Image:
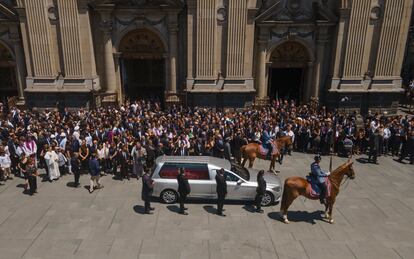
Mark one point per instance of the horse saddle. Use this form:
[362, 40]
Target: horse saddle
[264, 150]
[313, 188]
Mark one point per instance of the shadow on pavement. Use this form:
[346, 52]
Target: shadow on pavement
[299, 216]
[139, 209]
[173, 208]
[249, 208]
[362, 160]
[20, 185]
[72, 184]
[210, 209]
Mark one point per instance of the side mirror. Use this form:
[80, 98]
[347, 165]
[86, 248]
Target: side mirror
[239, 182]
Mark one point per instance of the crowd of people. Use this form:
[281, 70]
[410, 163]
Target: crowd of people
[125, 140]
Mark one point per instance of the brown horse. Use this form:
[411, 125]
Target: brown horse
[296, 186]
[251, 152]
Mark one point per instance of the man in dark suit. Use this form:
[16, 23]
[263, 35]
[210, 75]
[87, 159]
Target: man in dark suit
[182, 151]
[373, 146]
[221, 191]
[75, 164]
[260, 191]
[124, 161]
[183, 189]
[147, 189]
[199, 147]
[237, 144]
[94, 171]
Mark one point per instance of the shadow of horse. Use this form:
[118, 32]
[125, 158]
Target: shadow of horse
[299, 216]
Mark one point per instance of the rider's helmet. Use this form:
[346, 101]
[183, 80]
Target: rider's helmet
[318, 158]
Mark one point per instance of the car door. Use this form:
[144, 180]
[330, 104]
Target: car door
[199, 179]
[234, 186]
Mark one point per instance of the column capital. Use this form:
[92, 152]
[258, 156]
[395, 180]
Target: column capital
[21, 11]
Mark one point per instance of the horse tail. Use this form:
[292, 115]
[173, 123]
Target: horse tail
[284, 198]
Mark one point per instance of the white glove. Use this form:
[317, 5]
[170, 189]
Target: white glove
[329, 173]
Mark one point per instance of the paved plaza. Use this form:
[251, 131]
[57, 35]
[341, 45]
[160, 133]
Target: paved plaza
[374, 218]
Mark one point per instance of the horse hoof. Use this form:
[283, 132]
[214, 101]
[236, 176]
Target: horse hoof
[331, 221]
[286, 221]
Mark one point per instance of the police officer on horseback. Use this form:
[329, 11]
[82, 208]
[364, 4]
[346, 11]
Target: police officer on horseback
[319, 177]
[267, 141]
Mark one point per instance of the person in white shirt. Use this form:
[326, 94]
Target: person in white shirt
[387, 136]
[290, 133]
[63, 140]
[5, 164]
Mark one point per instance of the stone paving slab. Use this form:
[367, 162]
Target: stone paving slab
[374, 218]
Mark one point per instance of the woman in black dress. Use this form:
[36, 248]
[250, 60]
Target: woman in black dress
[31, 173]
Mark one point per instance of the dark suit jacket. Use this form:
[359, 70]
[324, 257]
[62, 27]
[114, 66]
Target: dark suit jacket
[199, 149]
[183, 185]
[179, 153]
[261, 188]
[221, 185]
[147, 187]
[94, 167]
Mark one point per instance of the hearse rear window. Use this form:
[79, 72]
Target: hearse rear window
[193, 171]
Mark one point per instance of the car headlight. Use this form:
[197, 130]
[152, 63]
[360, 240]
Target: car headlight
[277, 188]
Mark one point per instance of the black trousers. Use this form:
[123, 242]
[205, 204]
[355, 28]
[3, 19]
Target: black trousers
[373, 155]
[183, 198]
[258, 201]
[147, 205]
[124, 171]
[32, 183]
[220, 203]
[76, 174]
[322, 186]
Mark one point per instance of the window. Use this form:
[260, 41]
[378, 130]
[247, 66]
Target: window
[240, 171]
[230, 177]
[193, 171]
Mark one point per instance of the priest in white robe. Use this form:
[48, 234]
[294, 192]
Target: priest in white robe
[52, 158]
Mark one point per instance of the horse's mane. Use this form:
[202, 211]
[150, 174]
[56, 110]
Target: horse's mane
[342, 167]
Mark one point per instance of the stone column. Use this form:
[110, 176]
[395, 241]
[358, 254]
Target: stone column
[261, 75]
[309, 79]
[340, 44]
[172, 89]
[320, 54]
[106, 27]
[20, 66]
[117, 59]
[109, 63]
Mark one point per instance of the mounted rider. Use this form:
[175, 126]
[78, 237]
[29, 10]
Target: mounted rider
[267, 141]
[319, 177]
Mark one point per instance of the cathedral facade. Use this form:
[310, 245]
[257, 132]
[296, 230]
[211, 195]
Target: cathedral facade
[223, 53]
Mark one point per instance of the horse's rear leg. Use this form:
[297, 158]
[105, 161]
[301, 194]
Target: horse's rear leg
[251, 160]
[287, 200]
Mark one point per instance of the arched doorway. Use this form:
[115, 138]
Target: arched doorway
[142, 65]
[8, 84]
[287, 71]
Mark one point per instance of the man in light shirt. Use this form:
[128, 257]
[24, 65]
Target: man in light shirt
[387, 136]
